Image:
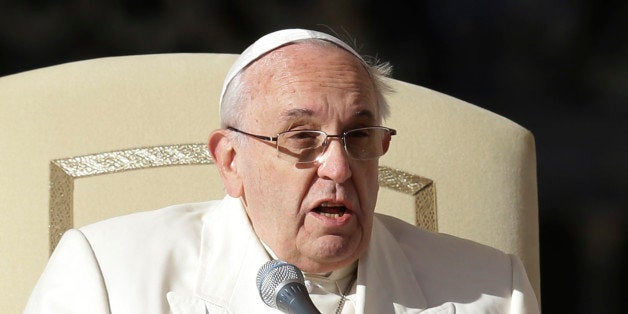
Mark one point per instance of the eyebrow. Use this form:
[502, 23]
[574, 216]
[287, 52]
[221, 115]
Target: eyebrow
[368, 114]
[298, 113]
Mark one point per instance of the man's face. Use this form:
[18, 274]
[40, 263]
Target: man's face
[317, 216]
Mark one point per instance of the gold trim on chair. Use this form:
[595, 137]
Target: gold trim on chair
[421, 188]
[63, 172]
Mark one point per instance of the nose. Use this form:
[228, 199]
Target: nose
[334, 162]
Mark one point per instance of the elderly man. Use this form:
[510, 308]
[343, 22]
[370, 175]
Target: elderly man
[298, 154]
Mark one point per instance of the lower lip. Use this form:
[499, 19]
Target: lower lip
[340, 221]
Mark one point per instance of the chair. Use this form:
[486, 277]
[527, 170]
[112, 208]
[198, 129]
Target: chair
[70, 134]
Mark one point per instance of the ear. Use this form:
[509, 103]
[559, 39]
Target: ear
[223, 152]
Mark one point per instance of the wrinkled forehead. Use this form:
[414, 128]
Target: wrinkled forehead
[276, 40]
[309, 82]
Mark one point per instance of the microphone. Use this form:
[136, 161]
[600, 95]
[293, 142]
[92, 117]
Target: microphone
[281, 286]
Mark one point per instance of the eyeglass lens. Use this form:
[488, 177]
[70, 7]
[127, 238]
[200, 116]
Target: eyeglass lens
[306, 146]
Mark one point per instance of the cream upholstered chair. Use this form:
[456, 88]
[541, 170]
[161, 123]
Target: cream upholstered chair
[69, 133]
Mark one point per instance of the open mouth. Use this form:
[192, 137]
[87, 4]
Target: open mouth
[331, 210]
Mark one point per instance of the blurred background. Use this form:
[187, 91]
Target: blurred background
[558, 68]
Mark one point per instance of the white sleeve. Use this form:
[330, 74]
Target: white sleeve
[523, 300]
[72, 281]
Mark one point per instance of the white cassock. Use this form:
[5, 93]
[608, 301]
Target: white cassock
[204, 257]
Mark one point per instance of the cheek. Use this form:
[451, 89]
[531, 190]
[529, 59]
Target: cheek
[367, 184]
[261, 184]
[274, 187]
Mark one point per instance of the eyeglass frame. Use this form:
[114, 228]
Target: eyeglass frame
[341, 137]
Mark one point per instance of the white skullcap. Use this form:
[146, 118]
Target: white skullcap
[273, 41]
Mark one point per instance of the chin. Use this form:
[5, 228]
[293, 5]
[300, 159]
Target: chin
[331, 256]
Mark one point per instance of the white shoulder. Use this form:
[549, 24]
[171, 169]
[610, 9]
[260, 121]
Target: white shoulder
[72, 281]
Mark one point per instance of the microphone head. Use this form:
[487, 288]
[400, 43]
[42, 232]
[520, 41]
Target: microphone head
[273, 275]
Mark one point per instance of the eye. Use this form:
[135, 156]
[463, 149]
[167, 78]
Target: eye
[303, 135]
[300, 139]
[359, 133]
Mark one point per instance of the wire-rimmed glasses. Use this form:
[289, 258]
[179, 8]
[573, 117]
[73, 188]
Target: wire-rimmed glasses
[305, 146]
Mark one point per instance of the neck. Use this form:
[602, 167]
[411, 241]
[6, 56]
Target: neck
[336, 274]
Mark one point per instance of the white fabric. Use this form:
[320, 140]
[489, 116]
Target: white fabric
[326, 290]
[205, 257]
[273, 41]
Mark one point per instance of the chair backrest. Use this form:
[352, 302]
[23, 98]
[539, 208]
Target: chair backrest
[69, 134]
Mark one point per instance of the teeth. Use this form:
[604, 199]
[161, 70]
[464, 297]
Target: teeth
[331, 215]
[337, 210]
